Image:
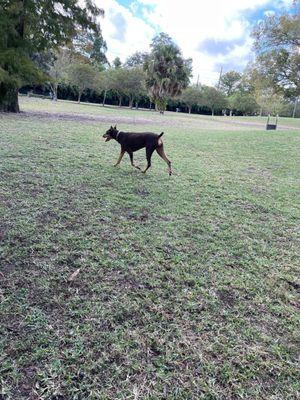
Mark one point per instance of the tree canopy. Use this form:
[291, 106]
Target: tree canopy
[136, 60]
[82, 77]
[167, 72]
[277, 42]
[213, 98]
[192, 96]
[32, 26]
[229, 82]
[92, 46]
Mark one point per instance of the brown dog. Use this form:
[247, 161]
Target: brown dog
[131, 141]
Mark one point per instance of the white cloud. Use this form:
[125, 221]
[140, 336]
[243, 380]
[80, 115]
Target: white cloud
[269, 13]
[123, 32]
[190, 24]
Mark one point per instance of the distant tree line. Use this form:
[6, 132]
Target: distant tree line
[73, 65]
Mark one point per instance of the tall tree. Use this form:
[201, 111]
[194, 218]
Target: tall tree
[277, 43]
[103, 83]
[243, 102]
[191, 96]
[136, 60]
[167, 72]
[29, 26]
[116, 78]
[229, 82]
[134, 84]
[82, 77]
[58, 70]
[213, 99]
[117, 63]
[92, 46]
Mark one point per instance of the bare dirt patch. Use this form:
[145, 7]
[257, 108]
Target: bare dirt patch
[77, 117]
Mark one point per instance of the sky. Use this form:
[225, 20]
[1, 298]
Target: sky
[214, 33]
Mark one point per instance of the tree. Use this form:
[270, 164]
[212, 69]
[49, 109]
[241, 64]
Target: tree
[136, 60]
[103, 83]
[281, 68]
[116, 78]
[58, 70]
[243, 102]
[213, 99]
[277, 31]
[191, 96]
[117, 63]
[92, 46]
[34, 26]
[133, 84]
[277, 42]
[167, 72]
[82, 77]
[229, 82]
[259, 86]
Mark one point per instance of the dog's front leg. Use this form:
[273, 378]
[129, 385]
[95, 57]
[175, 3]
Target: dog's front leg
[120, 158]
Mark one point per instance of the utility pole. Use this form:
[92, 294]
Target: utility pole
[198, 80]
[220, 78]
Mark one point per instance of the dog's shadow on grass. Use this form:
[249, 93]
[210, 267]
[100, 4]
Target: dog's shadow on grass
[145, 185]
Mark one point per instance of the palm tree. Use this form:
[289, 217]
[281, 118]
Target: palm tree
[167, 72]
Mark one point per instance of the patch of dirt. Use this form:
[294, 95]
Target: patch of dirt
[227, 297]
[2, 234]
[142, 192]
[77, 117]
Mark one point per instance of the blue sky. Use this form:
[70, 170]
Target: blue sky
[213, 34]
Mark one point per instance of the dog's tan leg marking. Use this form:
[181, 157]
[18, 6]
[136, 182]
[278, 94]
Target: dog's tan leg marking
[161, 153]
[120, 158]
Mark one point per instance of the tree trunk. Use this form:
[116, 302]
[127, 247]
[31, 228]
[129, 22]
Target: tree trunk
[230, 113]
[212, 112]
[79, 97]
[54, 90]
[136, 105]
[260, 112]
[104, 98]
[131, 103]
[190, 109]
[9, 101]
[295, 108]
[120, 101]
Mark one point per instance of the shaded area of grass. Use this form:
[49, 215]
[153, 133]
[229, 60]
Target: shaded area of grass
[187, 286]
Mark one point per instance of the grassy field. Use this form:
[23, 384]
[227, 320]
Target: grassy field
[120, 285]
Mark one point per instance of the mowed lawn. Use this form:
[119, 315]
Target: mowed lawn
[120, 285]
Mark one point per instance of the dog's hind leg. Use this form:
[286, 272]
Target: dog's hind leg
[131, 160]
[161, 153]
[120, 158]
[149, 151]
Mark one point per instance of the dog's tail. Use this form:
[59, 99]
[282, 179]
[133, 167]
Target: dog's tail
[159, 136]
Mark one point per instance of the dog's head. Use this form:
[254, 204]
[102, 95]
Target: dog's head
[111, 133]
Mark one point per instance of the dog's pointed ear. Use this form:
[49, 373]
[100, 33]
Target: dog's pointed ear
[115, 127]
[111, 127]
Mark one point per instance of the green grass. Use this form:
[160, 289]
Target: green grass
[188, 286]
